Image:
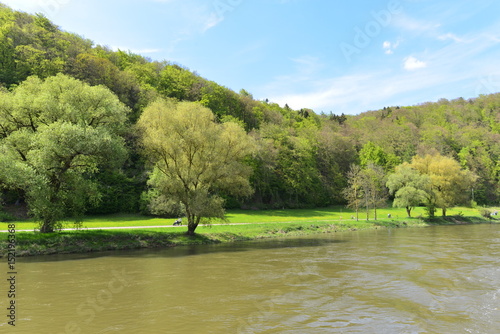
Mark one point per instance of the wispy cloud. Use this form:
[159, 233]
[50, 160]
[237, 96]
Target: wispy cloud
[198, 16]
[48, 8]
[408, 23]
[450, 36]
[190, 19]
[26, 5]
[307, 65]
[451, 70]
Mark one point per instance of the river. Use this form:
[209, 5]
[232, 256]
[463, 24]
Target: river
[443, 279]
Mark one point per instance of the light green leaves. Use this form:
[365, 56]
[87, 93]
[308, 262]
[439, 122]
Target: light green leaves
[195, 159]
[55, 134]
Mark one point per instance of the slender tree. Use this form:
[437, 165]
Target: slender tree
[354, 193]
[373, 183]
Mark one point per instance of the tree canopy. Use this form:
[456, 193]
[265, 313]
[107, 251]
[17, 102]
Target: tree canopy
[409, 187]
[55, 84]
[55, 134]
[196, 160]
[450, 185]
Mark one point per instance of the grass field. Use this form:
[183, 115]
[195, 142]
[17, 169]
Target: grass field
[240, 225]
[332, 214]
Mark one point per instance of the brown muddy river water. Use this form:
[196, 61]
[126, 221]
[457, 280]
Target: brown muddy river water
[423, 280]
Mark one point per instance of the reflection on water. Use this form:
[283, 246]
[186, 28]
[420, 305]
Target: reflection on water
[428, 280]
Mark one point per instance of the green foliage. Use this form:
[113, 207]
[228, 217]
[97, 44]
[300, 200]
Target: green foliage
[180, 83]
[335, 154]
[366, 187]
[56, 133]
[373, 183]
[118, 193]
[303, 159]
[486, 213]
[374, 154]
[355, 193]
[409, 187]
[101, 71]
[449, 184]
[195, 159]
[6, 217]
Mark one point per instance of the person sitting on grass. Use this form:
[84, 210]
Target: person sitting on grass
[178, 222]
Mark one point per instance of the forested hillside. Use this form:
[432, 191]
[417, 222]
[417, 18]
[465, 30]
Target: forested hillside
[53, 81]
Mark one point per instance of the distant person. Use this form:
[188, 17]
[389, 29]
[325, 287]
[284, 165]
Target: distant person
[178, 222]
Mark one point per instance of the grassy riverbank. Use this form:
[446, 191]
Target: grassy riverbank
[240, 226]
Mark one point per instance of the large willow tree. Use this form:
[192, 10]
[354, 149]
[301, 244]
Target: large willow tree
[450, 185]
[55, 134]
[195, 159]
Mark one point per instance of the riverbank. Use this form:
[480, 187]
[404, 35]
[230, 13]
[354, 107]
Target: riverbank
[91, 240]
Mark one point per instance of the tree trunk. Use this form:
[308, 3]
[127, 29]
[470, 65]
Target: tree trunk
[191, 228]
[193, 222]
[444, 212]
[408, 211]
[367, 209]
[47, 227]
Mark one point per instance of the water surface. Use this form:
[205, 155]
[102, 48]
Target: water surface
[421, 280]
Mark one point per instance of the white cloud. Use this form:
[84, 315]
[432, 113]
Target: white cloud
[387, 47]
[449, 36]
[390, 47]
[27, 5]
[408, 23]
[46, 7]
[369, 89]
[307, 65]
[411, 64]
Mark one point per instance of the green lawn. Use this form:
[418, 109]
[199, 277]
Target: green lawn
[327, 215]
[240, 225]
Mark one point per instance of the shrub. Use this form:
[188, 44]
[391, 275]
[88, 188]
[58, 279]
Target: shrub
[486, 213]
[6, 217]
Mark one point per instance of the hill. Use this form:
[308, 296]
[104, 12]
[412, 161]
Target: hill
[303, 158]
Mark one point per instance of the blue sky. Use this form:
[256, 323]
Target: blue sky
[328, 55]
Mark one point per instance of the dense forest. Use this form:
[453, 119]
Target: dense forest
[57, 89]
